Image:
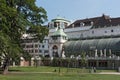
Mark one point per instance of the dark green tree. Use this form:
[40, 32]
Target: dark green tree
[83, 59]
[15, 17]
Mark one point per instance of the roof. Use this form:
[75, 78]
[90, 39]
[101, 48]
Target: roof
[59, 32]
[76, 47]
[102, 21]
[60, 19]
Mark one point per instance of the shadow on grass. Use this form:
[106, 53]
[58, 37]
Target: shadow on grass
[11, 70]
[14, 70]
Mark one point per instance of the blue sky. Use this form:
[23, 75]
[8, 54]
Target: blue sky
[80, 9]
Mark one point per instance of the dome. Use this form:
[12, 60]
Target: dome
[59, 32]
[61, 19]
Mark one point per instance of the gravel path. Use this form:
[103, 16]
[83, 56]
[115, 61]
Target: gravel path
[116, 73]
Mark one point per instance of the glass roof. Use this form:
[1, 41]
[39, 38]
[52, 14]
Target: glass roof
[76, 47]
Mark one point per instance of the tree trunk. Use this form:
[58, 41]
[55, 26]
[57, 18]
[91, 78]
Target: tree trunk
[5, 66]
[5, 71]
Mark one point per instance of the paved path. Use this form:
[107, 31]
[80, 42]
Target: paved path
[116, 73]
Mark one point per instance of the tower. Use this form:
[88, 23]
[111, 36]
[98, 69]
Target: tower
[57, 37]
[56, 41]
[58, 21]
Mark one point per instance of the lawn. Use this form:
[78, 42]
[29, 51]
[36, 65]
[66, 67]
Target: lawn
[52, 69]
[53, 76]
[41, 73]
[48, 69]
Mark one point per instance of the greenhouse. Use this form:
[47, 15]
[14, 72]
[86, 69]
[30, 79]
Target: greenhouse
[109, 45]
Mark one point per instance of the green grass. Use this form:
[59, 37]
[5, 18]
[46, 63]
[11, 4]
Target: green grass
[51, 69]
[49, 76]
[47, 69]
[33, 69]
[72, 74]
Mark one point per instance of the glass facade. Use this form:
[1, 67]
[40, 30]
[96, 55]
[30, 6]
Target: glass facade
[76, 47]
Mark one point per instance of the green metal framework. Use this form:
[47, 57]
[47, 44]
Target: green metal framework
[87, 46]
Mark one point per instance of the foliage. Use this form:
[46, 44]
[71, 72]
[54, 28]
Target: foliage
[46, 61]
[83, 60]
[15, 17]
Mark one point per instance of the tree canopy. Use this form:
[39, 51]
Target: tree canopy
[15, 17]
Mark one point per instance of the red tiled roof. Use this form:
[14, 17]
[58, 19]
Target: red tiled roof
[97, 22]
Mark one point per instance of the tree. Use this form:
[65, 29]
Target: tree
[15, 17]
[83, 59]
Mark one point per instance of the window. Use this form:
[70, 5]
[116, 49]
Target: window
[36, 45]
[82, 24]
[43, 46]
[29, 51]
[29, 46]
[92, 32]
[46, 51]
[36, 51]
[32, 51]
[40, 51]
[105, 31]
[54, 38]
[56, 24]
[112, 30]
[35, 40]
[81, 35]
[45, 41]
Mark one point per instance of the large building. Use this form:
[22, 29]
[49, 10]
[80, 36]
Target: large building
[98, 38]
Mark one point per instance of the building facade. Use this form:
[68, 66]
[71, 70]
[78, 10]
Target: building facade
[98, 38]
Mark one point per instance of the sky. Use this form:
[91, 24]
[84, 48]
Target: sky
[79, 9]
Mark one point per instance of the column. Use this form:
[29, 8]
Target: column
[104, 52]
[110, 53]
[101, 53]
[96, 55]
